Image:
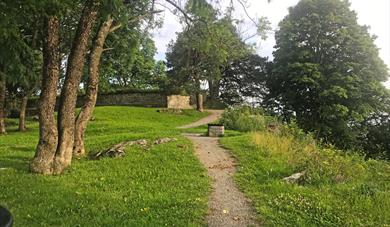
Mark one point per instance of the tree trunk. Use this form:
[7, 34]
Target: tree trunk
[66, 113]
[22, 114]
[45, 151]
[199, 102]
[213, 91]
[2, 104]
[92, 87]
[28, 89]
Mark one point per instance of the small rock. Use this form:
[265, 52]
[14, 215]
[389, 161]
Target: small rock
[164, 140]
[294, 178]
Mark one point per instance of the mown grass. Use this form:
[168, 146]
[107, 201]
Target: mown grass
[338, 189]
[162, 186]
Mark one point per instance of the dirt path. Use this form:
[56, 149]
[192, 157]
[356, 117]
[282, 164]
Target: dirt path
[227, 205]
[215, 115]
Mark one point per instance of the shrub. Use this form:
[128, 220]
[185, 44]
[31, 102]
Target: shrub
[246, 119]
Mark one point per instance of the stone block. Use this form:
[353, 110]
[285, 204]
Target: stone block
[215, 130]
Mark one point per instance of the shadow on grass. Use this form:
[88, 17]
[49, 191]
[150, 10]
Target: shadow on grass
[21, 149]
[15, 162]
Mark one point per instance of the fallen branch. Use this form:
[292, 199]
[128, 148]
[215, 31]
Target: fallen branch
[118, 150]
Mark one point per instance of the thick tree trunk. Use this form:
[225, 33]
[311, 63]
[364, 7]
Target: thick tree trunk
[45, 151]
[92, 87]
[22, 114]
[66, 113]
[199, 102]
[2, 105]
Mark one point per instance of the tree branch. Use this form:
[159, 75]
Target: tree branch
[107, 49]
[140, 17]
[181, 10]
[246, 12]
[116, 27]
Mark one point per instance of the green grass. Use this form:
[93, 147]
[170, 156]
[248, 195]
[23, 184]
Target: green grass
[163, 186]
[338, 190]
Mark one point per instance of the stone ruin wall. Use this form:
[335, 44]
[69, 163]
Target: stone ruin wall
[178, 102]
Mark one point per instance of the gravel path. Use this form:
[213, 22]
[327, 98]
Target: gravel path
[215, 115]
[227, 205]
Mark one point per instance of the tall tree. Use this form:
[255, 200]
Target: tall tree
[48, 132]
[204, 49]
[327, 72]
[67, 103]
[92, 86]
[54, 153]
[131, 16]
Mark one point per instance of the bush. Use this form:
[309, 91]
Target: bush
[246, 119]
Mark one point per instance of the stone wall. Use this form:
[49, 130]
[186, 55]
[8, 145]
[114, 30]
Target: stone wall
[178, 102]
[129, 99]
[141, 99]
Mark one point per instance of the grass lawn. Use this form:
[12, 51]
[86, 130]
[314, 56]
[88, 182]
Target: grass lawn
[338, 190]
[163, 186]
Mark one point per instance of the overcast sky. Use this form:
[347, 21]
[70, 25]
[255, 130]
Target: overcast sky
[375, 13]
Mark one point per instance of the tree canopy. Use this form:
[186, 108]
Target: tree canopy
[326, 73]
[205, 49]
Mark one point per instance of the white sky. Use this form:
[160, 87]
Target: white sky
[375, 13]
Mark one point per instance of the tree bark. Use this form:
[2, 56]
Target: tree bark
[199, 102]
[45, 151]
[66, 113]
[92, 87]
[22, 114]
[2, 105]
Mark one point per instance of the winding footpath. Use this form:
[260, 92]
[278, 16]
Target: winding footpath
[227, 205]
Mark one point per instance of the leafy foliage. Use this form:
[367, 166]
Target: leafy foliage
[327, 73]
[204, 48]
[244, 79]
[131, 63]
[245, 118]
